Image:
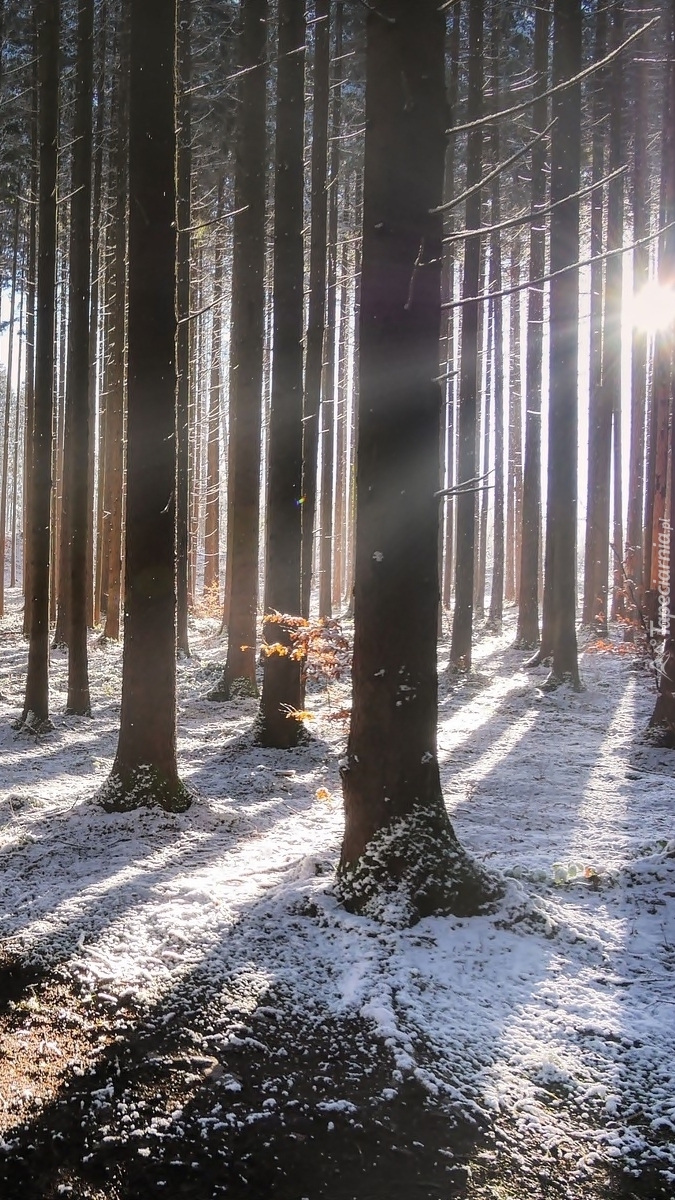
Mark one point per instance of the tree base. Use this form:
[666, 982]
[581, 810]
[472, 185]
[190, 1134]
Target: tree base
[142, 787]
[554, 680]
[239, 689]
[661, 729]
[416, 868]
[524, 643]
[30, 723]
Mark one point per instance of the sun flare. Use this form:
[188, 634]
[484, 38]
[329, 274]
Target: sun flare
[653, 308]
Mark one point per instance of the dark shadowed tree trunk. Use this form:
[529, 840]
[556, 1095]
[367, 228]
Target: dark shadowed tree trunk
[36, 703]
[77, 381]
[636, 471]
[246, 355]
[527, 634]
[144, 770]
[462, 624]
[4, 474]
[399, 846]
[184, 179]
[316, 319]
[282, 678]
[31, 312]
[564, 345]
[596, 561]
[212, 514]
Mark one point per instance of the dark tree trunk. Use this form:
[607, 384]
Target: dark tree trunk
[116, 390]
[612, 325]
[17, 436]
[246, 354]
[77, 383]
[144, 770]
[316, 320]
[183, 305]
[596, 565]
[328, 398]
[564, 344]
[31, 312]
[282, 678]
[93, 615]
[452, 316]
[4, 477]
[636, 473]
[527, 635]
[398, 838]
[36, 703]
[497, 590]
[212, 514]
[462, 624]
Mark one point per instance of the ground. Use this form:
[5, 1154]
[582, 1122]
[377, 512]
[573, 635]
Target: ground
[186, 1010]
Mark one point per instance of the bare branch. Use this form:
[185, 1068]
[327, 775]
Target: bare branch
[559, 87]
[584, 262]
[457, 200]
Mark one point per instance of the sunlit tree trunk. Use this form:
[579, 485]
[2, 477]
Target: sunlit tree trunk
[398, 838]
[184, 180]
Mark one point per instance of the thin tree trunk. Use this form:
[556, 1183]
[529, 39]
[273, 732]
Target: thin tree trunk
[527, 635]
[212, 515]
[282, 677]
[17, 439]
[564, 345]
[36, 702]
[4, 478]
[184, 170]
[116, 392]
[30, 344]
[95, 486]
[636, 474]
[79, 356]
[462, 625]
[451, 319]
[596, 564]
[246, 357]
[317, 286]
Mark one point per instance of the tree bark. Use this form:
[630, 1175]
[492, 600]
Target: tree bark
[400, 853]
[527, 635]
[564, 344]
[77, 383]
[35, 714]
[246, 357]
[212, 515]
[4, 477]
[145, 770]
[184, 176]
[282, 677]
[316, 320]
[462, 624]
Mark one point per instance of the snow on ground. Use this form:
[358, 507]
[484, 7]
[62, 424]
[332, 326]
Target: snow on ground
[553, 1016]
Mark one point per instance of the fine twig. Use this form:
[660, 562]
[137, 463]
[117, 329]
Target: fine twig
[502, 166]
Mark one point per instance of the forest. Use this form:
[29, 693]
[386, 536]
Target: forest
[337, 548]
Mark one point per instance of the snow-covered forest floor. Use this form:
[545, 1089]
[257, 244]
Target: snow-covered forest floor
[186, 1010]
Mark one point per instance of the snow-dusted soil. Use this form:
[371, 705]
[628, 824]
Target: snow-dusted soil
[504, 1055]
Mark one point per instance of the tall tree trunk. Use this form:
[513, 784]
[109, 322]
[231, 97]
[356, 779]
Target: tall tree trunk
[95, 486]
[462, 625]
[30, 342]
[282, 677]
[640, 207]
[246, 356]
[451, 320]
[212, 515]
[183, 304]
[16, 441]
[77, 383]
[316, 320]
[497, 591]
[596, 564]
[4, 478]
[116, 391]
[527, 635]
[612, 325]
[36, 702]
[145, 769]
[398, 840]
[564, 344]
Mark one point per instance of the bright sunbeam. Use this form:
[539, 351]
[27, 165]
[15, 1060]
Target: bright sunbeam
[653, 308]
